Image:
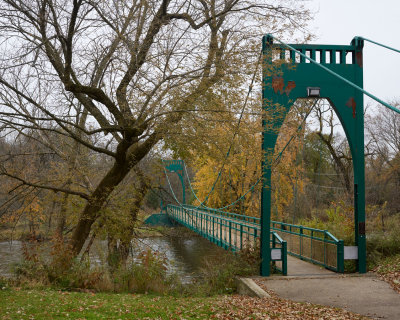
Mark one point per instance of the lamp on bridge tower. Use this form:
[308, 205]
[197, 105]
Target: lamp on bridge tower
[313, 92]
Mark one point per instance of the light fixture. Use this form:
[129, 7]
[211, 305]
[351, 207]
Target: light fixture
[313, 92]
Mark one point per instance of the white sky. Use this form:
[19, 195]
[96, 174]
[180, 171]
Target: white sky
[338, 21]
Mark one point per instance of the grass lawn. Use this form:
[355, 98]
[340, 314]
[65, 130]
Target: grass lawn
[51, 304]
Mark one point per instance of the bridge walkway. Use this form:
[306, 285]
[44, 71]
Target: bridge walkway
[235, 232]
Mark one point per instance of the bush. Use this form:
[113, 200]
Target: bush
[147, 274]
[3, 283]
[382, 244]
[61, 270]
[338, 220]
[219, 276]
[76, 276]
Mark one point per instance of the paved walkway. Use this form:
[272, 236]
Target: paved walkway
[363, 294]
[297, 267]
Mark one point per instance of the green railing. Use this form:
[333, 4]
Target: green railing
[234, 232]
[228, 230]
[254, 220]
[314, 245]
[224, 231]
[279, 253]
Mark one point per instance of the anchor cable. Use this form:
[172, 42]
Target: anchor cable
[379, 44]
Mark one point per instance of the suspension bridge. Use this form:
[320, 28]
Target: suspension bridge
[290, 72]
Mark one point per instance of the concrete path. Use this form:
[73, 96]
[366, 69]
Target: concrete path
[363, 294]
[297, 267]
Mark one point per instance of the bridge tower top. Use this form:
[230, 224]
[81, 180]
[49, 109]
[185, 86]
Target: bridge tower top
[178, 167]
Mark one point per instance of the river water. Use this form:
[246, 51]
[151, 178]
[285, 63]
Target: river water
[185, 256]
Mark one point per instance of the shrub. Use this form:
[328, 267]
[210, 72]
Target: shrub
[147, 274]
[338, 220]
[219, 275]
[381, 244]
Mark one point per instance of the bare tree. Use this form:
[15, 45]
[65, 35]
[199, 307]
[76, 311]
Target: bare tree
[117, 76]
[339, 150]
[383, 167]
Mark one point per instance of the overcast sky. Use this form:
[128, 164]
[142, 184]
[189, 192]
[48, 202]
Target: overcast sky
[338, 21]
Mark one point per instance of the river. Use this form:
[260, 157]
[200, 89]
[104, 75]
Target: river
[185, 256]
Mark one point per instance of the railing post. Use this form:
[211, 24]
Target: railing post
[230, 234]
[340, 256]
[207, 230]
[301, 242]
[273, 240]
[241, 236]
[220, 232]
[284, 258]
[325, 236]
[311, 244]
[201, 223]
[212, 228]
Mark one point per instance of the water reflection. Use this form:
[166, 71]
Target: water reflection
[10, 253]
[186, 256]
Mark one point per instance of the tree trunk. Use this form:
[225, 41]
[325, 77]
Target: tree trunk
[118, 251]
[342, 168]
[91, 211]
[62, 217]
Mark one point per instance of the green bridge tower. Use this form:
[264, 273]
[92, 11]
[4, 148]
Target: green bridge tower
[288, 76]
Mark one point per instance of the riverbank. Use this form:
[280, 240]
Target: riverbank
[20, 303]
[22, 233]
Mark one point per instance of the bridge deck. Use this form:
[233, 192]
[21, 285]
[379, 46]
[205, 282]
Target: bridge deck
[235, 232]
[297, 267]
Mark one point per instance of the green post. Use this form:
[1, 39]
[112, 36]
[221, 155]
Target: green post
[340, 256]
[230, 234]
[220, 232]
[284, 258]
[267, 149]
[301, 242]
[201, 223]
[241, 236]
[213, 228]
[325, 237]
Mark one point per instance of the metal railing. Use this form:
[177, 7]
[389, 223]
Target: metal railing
[279, 253]
[234, 232]
[225, 231]
[249, 219]
[229, 230]
[314, 245]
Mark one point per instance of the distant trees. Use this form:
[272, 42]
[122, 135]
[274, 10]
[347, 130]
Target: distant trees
[383, 165]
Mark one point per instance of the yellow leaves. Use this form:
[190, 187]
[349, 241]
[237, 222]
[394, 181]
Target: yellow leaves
[288, 176]
[240, 170]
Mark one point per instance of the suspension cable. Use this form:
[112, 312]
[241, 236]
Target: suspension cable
[379, 44]
[258, 181]
[291, 138]
[235, 132]
[298, 129]
[169, 184]
[339, 76]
